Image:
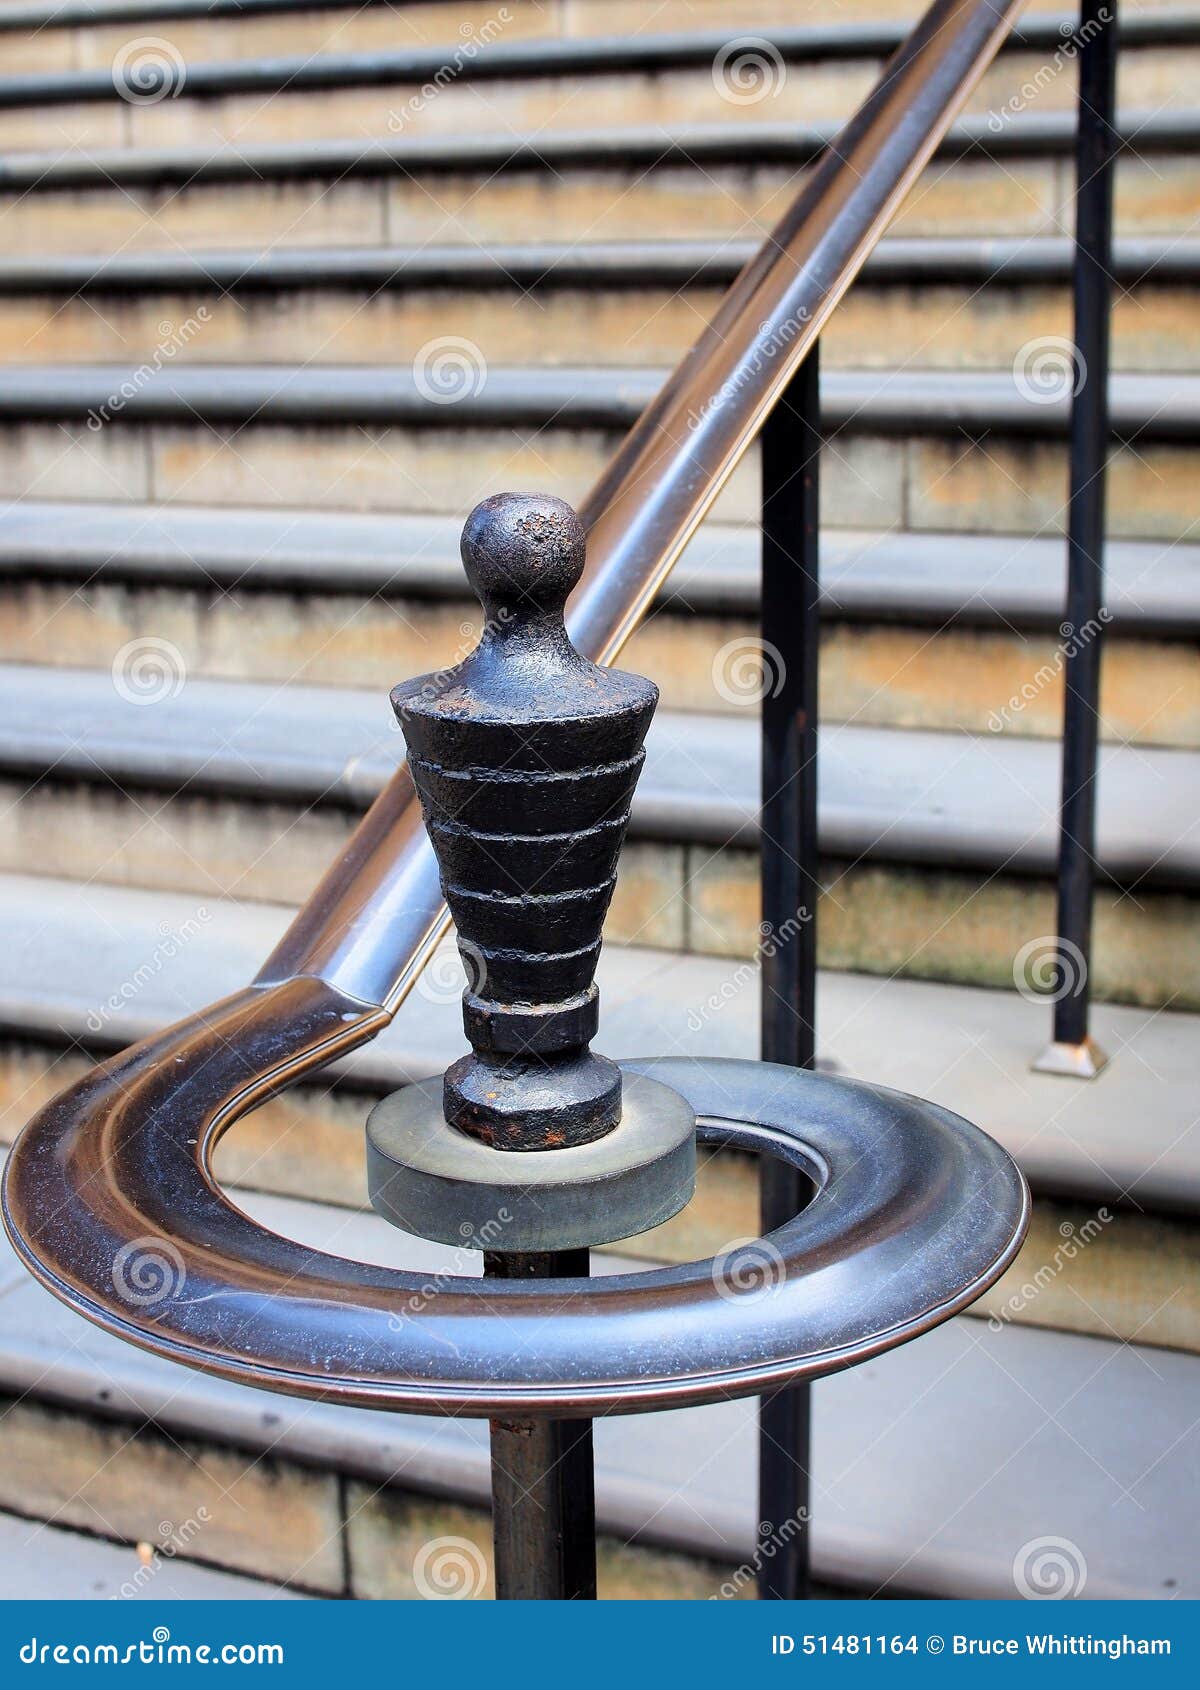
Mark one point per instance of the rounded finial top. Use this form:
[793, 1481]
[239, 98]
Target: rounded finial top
[523, 551]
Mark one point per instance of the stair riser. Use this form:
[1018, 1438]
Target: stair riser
[1005, 486]
[959, 328]
[876, 918]
[975, 681]
[278, 1520]
[1113, 1273]
[361, 29]
[1155, 195]
[1152, 79]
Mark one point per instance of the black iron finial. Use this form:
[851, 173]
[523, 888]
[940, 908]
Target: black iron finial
[525, 758]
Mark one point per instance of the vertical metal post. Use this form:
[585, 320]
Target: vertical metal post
[790, 447]
[543, 1485]
[1071, 1050]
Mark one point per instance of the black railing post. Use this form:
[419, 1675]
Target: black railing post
[1071, 1050]
[543, 1488]
[790, 445]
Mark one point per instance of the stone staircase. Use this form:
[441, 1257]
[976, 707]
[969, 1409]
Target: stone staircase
[268, 329]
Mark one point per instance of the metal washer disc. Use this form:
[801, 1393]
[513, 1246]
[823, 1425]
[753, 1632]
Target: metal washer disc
[430, 1179]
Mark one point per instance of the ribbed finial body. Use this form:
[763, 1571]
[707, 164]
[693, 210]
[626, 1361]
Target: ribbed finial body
[525, 758]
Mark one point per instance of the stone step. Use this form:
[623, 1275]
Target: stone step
[917, 449]
[97, 966]
[41, 35]
[942, 800]
[929, 580]
[150, 96]
[345, 1501]
[939, 848]
[43, 1563]
[922, 630]
[956, 304]
[733, 179]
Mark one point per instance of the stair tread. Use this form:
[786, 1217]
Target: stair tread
[106, 965]
[1150, 407]
[559, 55]
[633, 147]
[669, 262]
[980, 579]
[891, 794]
[889, 1508]
[39, 1562]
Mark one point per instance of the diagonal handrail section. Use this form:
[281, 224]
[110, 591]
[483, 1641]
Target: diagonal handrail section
[377, 915]
[89, 1169]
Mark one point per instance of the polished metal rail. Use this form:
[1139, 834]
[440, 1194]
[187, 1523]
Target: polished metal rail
[83, 1181]
[375, 918]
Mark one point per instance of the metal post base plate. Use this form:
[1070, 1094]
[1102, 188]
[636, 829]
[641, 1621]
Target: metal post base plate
[1076, 1062]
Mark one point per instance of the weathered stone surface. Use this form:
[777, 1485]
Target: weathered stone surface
[959, 926]
[403, 1547]
[253, 1514]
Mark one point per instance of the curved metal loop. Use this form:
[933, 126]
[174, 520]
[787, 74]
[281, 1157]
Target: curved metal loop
[916, 1213]
[94, 1172]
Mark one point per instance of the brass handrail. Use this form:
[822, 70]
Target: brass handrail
[373, 921]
